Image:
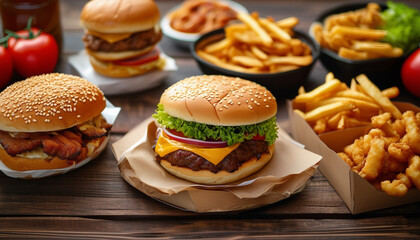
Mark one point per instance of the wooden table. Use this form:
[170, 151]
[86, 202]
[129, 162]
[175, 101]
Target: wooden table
[95, 201]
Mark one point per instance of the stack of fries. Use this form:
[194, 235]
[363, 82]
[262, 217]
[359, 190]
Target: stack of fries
[353, 35]
[335, 106]
[258, 45]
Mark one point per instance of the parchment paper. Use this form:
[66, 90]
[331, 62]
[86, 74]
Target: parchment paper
[286, 173]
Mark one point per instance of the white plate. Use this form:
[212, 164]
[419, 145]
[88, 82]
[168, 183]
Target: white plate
[114, 86]
[184, 39]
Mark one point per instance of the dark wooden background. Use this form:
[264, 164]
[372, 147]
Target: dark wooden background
[95, 201]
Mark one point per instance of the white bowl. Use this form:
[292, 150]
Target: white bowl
[184, 39]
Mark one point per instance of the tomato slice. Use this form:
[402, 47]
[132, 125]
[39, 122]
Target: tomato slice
[148, 57]
[180, 137]
[258, 137]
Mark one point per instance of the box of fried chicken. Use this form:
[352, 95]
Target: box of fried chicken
[371, 164]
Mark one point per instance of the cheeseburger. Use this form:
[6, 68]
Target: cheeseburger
[51, 121]
[215, 129]
[121, 36]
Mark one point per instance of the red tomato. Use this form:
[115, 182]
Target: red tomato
[410, 73]
[6, 66]
[33, 56]
[258, 137]
[150, 56]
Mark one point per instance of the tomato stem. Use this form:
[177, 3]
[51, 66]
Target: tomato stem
[3, 41]
[28, 28]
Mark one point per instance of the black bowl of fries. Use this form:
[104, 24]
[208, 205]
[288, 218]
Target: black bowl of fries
[280, 67]
[348, 50]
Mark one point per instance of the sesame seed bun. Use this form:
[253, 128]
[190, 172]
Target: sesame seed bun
[49, 102]
[219, 100]
[206, 177]
[119, 16]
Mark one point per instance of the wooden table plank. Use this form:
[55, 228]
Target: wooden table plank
[89, 228]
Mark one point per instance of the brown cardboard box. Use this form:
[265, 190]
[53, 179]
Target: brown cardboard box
[358, 194]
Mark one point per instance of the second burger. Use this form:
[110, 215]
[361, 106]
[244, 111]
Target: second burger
[121, 36]
[215, 129]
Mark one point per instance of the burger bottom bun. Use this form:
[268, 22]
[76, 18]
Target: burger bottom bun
[114, 56]
[27, 164]
[119, 71]
[207, 177]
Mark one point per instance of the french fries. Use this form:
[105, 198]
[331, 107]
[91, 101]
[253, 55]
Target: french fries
[334, 106]
[354, 35]
[258, 45]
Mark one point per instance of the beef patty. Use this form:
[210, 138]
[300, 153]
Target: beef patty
[136, 41]
[231, 163]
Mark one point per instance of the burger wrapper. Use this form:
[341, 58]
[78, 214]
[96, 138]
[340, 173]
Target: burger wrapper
[110, 113]
[286, 173]
[114, 86]
[358, 194]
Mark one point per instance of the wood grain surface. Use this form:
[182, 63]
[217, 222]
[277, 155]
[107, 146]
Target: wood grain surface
[95, 202]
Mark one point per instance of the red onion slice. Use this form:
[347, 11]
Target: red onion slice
[192, 141]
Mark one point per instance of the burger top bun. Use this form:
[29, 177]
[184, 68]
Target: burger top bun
[49, 102]
[119, 16]
[219, 100]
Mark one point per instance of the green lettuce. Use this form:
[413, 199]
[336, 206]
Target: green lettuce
[402, 24]
[230, 134]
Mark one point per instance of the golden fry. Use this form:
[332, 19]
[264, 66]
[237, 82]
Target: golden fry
[289, 22]
[253, 24]
[218, 46]
[259, 53]
[247, 61]
[276, 30]
[355, 95]
[324, 89]
[391, 92]
[294, 60]
[327, 110]
[359, 33]
[374, 92]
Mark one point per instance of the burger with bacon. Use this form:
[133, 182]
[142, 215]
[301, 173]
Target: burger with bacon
[121, 36]
[215, 129]
[51, 121]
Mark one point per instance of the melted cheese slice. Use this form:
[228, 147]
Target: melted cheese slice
[110, 37]
[165, 146]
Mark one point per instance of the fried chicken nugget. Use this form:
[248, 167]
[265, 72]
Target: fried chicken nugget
[395, 188]
[413, 170]
[413, 131]
[374, 159]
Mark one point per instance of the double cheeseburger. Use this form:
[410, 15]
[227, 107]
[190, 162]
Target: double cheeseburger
[51, 121]
[121, 36]
[215, 129]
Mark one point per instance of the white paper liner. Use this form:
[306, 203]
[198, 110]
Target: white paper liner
[286, 173]
[114, 86]
[110, 113]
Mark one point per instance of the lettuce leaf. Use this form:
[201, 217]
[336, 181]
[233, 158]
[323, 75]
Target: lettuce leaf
[230, 134]
[402, 24]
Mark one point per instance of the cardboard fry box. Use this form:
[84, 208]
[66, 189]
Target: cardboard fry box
[358, 194]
